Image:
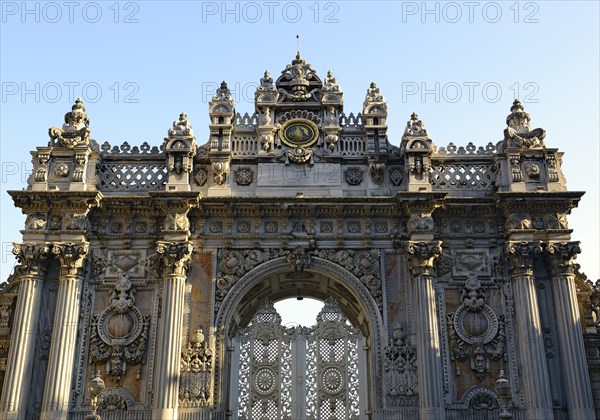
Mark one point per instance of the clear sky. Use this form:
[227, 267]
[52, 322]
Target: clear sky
[459, 65]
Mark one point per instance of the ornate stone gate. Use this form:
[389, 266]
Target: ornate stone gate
[298, 372]
[143, 266]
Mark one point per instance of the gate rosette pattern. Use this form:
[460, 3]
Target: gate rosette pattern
[265, 367]
[271, 356]
[332, 366]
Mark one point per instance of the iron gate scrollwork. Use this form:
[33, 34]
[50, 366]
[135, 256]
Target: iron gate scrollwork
[297, 372]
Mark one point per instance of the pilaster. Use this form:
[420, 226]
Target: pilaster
[33, 259]
[575, 374]
[57, 390]
[532, 355]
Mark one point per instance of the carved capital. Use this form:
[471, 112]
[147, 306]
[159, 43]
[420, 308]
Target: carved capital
[561, 256]
[32, 257]
[520, 257]
[70, 256]
[421, 256]
[173, 257]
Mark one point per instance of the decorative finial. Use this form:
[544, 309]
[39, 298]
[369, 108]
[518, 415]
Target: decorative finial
[516, 106]
[298, 45]
[75, 131]
[519, 132]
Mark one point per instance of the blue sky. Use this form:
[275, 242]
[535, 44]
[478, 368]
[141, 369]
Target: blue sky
[459, 65]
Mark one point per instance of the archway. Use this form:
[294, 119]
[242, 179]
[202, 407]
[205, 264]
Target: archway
[321, 279]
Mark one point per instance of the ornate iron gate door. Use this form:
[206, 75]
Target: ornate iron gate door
[298, 373]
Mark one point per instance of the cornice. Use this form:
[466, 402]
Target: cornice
[44, 201]
[540, 201]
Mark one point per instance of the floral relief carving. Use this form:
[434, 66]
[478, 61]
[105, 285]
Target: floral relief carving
[243, 176]
[401, 365]
[233, 264]
[196, 372]
[353, 175]
[36, 221]
[61, 170]
[75, 221]
[532, 170]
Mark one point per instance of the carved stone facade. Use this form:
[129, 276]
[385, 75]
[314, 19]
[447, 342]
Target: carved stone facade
[448, 274]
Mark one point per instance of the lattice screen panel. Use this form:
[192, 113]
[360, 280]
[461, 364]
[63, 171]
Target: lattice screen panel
[326, 356]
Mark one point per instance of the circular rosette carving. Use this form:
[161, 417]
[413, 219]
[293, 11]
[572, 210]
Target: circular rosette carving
[332, 380]
[120, 328]
[253, 259]
[478, 327]
[265, 381]
[232, 263]
[366, 263]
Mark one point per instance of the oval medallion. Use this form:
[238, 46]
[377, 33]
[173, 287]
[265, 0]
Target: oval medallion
[299, 133]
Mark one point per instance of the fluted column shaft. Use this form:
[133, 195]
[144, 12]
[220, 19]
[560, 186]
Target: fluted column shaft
[575, 372]
[61, 360]
[19, 366]
[429, 359]
[174, 260]
[536, 386]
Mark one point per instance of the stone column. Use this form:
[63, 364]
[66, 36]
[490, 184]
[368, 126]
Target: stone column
[570, 338]
[33, 259]
[536, 388]
[61, 360]
[173, 260]
[429, 358]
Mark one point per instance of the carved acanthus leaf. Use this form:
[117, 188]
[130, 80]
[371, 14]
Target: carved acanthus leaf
[32, 257]
[173, 257]
[71, 256]
[421, 256]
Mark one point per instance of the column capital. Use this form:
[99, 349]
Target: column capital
[421, 256]
[173, 257]
[32, 257]
[561, 255]
[70, 256]
[520, 256]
